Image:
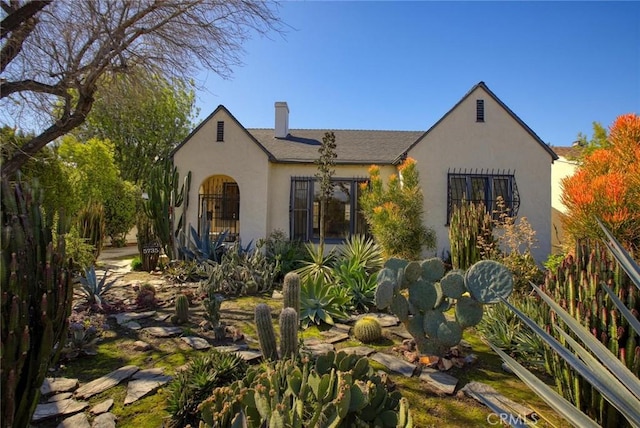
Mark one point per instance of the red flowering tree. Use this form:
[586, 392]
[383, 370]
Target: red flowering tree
[607, 186]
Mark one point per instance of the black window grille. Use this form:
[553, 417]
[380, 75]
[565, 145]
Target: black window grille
[342, 213]
[486, 186]
[479, 110]
[220, 133]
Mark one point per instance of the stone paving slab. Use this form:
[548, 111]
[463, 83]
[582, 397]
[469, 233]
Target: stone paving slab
[76, 421]
[148, 373]
[105, 420]
[340, 328]
[103, 407]
[163, 331]
[54, 385]
[105, 382]
[335, 337]
[125, 317]
[439, 380]
[361, 351]
[132, 325]
[249, 354]
[400, 331]
[58, 408]
[196, 342]
[385, 320]
[394, 363]
[317, 347]
[232, 348]
[136, 389]
[61, 396]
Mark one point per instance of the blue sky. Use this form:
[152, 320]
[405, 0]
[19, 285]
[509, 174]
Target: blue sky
[402, 65]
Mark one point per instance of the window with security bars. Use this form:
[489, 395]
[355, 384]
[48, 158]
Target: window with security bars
[485, 187]
[342, 214]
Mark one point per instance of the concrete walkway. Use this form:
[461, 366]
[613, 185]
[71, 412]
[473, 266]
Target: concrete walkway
[114, 253]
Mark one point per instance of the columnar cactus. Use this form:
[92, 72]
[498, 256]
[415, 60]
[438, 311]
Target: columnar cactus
[419, 293]
[468, 222]
[367, 329]
[182, 310]
[266, 336]
[288, 332]
[36, 289]
[291, 292]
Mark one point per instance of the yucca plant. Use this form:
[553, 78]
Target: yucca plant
[363, 251]
[592, 360]
[93, 288]
[319, 265]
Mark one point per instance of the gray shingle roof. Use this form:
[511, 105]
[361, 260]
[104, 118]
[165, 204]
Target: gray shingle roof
[353, 146]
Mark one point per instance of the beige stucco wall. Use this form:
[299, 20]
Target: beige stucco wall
[561, 168]
[500, 142]
[239, 157]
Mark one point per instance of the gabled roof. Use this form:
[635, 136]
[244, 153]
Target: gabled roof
[482, 85]
[353, 146]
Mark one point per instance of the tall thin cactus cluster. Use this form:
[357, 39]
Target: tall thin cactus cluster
[576, 286]
[166, 193]
[419, 293]
[468, 222]
[36, 301]
[289, 322]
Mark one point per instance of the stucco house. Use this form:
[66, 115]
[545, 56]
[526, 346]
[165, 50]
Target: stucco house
[565, 166]
[255, 181]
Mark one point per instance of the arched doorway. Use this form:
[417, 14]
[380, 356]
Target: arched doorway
[219, 206]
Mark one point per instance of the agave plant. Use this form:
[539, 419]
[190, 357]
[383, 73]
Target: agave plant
[93, 288]
[363, 251]
[318, 304]
[319, 267]
[358, 285]
[592, 360]
[202, 248]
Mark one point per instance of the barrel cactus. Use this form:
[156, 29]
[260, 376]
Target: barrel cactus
[367, 329]
[182, 310]
[419, 293]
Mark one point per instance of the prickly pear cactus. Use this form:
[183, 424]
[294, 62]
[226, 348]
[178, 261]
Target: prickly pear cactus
[419, 294]
[367, 330]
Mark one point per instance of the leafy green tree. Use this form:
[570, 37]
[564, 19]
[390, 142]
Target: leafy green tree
[45, 167]
[59, 52]
[394, 213]
[145, 116]
[599, 140]
[120, 211]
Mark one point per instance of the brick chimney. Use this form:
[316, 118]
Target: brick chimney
[282, 119]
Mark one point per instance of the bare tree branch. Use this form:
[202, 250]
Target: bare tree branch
[19, 16]
[73, 46]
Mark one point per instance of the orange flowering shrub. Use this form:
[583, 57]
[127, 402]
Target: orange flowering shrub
[394, 212]
[607, 186]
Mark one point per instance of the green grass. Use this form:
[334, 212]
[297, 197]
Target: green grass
[429, 408]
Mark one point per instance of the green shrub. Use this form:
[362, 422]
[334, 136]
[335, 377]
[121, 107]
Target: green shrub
[280, 250]
[136, 263]
[194, 384]
[77, 249]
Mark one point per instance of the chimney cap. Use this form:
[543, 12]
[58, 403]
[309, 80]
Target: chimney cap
[282, 104]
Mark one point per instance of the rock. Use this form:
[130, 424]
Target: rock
[163, 331]
[139, 345]
[125, 317]
[277, 295]
[340, 328]
[249, 354]
[103, 407]
[412, 357]
[205, 325]
[54, 385]
[231, 348]
[318, 346]
[445, 364]
[143, 385]
[334, 337]
[506, 368]
[148, 373]
[196, 342]
[470, 359]
[394, 364]
[385, 320]
[105, 420]
[61, 396]
[441, 381]
[58, 408]
[400, 331]
[105, 382]
[162, 317]
[361, 351]
[76, 421]
[132, 325]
